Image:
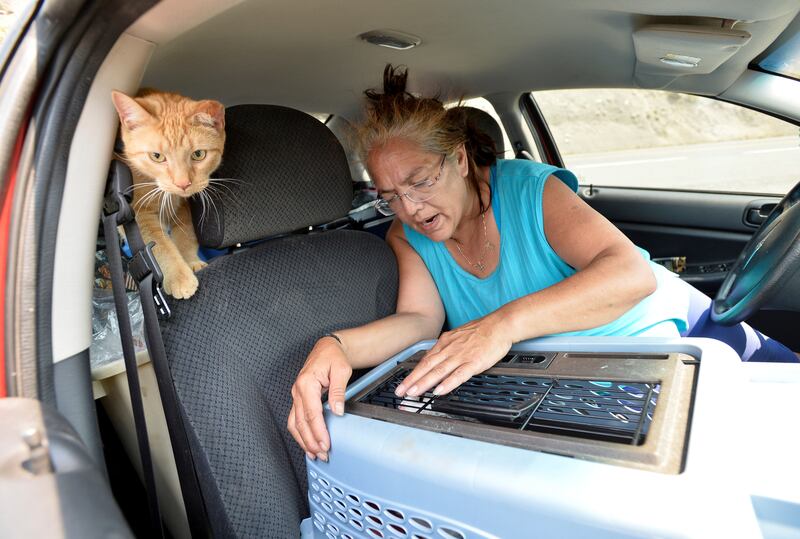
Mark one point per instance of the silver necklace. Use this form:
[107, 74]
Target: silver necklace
[487, 245]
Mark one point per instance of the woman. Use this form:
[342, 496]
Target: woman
[501, 250]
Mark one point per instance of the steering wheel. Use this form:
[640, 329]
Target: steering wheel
[762, 275]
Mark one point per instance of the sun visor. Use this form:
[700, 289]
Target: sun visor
[667, 51]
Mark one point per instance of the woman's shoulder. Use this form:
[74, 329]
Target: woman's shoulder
[519, 172]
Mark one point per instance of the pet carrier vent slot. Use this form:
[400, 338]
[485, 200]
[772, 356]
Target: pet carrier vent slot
[615, 411]
[533, 360]
[450, 533]
[421, 524]
[364, 517]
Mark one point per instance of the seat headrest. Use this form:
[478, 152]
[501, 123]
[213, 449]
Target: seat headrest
[486, 123]
[284, 169]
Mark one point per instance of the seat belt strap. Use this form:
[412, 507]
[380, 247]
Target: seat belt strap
[148, 276]
[114, 254]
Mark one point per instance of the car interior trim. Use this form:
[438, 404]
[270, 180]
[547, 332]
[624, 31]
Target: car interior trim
[73, 386]
[82, 197]
[766, 92]
[538, 125]
[657, 206]
[21, 81]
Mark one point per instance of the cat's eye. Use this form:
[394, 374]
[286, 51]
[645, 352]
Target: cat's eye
[157, 157]
[198, 155]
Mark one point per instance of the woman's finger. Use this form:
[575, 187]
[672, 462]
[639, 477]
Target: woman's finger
[301, 424]
[290, 425]
[426, 365]
[336, 391]
[311, 398]
[293, 430]
[460, 375]
[434, 376]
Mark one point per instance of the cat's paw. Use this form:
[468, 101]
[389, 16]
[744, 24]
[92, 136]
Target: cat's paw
[197, 265]
[180, 284]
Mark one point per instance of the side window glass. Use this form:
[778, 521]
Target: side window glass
[13, 14]
[666, 140]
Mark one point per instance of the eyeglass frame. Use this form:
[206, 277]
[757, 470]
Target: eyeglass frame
[383, 206]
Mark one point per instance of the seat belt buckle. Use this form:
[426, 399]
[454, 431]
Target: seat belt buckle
[144, 263]
[116, 200]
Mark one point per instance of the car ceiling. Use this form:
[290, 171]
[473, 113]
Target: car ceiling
[306, 54]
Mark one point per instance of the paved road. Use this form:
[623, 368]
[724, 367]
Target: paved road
[769, 166]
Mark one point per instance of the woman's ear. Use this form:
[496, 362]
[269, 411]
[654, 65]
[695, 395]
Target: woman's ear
[462, 163]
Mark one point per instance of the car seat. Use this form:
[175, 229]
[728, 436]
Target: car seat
[486, 123]
[236, 346]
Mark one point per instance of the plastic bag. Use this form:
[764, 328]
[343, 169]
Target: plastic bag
[106, 346]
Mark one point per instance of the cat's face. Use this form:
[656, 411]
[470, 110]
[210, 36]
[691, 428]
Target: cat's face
[172, 140]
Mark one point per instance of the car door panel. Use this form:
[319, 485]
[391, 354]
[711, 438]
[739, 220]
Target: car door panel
[50, 486]
[709, 229]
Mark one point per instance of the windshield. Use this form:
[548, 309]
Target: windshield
[785, 60]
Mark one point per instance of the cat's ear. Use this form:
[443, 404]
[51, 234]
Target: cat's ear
[209, 113]
[131, 113]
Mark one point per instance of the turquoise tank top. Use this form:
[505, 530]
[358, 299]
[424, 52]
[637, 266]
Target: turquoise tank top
[528, 263]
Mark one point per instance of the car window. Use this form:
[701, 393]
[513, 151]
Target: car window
[666, 140]
[785, 59]
[13, 13]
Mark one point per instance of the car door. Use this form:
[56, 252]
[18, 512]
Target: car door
[53, 481]
[687, 178]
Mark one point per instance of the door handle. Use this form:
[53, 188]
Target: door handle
[757, 213]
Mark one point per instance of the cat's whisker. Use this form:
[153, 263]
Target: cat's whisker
[223, 186]
[211, 206]
[206, 203]
[214, 206]
[175, 215]
[220, 182]
[203, 209]
[140, 186]
[228, 193]
[212, 193]
[146, 199]
[229, 180]
[151, 197]
[170, 212]
[161, 208]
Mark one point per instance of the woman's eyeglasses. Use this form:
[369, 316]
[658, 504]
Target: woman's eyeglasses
[419, 192]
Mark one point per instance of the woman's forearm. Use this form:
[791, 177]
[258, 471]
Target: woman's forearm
[603, 291]
[370, 344]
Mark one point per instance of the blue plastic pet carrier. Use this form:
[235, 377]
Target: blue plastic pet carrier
[557, 440]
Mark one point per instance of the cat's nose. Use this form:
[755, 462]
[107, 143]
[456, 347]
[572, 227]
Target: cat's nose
[183, 184]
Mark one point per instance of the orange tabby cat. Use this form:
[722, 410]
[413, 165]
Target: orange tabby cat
[172, 145]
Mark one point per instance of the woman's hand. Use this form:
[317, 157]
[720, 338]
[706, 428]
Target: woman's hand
[326, 367]
[457, 356]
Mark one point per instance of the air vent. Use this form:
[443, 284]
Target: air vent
[614, 411]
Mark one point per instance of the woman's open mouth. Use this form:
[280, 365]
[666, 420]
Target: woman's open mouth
[429, 224]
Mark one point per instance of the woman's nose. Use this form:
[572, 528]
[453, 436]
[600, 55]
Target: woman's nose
[409, 205]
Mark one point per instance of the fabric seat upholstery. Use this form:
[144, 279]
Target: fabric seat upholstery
[237, 345]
